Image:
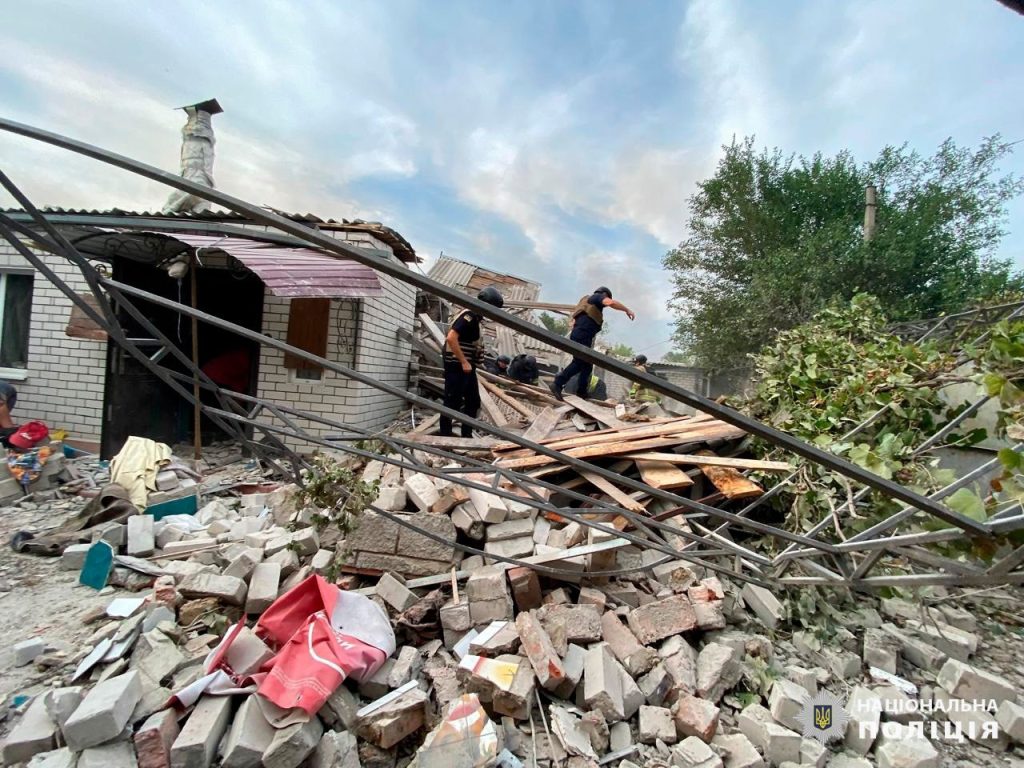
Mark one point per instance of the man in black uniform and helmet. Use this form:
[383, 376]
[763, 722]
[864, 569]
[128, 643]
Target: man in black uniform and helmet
[463, 352]
[585, 323]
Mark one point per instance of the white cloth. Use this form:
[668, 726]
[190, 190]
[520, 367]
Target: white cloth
[136, 466]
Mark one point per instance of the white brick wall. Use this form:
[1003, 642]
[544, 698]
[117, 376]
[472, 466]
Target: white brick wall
[65, 377]
[362, 334]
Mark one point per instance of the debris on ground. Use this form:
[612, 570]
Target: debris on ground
[253, 632]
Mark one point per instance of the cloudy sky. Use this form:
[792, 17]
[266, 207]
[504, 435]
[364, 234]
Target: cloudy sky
[557, 141]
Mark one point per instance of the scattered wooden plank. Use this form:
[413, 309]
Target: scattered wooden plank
[730, 482]
[681, 433]
[713, 461]
[617, 449]
[432, 328]
[648, 429]
[604, 415]
[426, 425]
[464, 443]
[490, 407]
[545, 421]
[661, 474]
[617, 495]
[511, 402]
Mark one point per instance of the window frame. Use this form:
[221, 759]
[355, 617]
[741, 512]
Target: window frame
[14, 374]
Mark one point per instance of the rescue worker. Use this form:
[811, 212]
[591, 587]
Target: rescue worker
[596, 389]
[638, 392]
[584, 324]
[500, 365]
[524, 368]
[463, 352]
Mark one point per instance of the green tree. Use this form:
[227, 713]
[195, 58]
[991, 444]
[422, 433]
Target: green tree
[621, 350]
[554, 324]
[774, 238]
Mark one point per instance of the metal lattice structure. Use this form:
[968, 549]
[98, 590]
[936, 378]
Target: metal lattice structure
[861, 561]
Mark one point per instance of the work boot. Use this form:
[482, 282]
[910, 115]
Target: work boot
[556, 391]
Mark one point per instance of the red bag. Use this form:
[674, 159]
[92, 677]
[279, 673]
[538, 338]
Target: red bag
[312, 628]
[28, 435]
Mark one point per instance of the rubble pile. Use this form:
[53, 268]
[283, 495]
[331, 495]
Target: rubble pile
[541, 662]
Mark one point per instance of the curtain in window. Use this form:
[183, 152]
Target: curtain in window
[17, 312]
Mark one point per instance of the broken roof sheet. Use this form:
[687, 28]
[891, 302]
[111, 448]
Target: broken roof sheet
[293, 272]
[398, 244]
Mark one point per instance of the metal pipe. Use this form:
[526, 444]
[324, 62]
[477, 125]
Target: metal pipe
[655, 383]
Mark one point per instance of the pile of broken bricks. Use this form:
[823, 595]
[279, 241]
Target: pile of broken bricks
[667, 667]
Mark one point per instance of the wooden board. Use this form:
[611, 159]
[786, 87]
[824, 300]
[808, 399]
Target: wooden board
[713, 461]
[685, 433]
[604, 415]
[612, 435]
[511, 402]
[617, 449]
[661, 474]
[439, 441]
[617, 495]
[730, 482]
[546, 421]
[490, 407]
[426, 424]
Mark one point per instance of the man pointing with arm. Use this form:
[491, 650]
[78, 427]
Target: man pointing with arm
[585, 323]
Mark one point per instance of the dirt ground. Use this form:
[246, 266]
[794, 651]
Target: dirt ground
[38, 599]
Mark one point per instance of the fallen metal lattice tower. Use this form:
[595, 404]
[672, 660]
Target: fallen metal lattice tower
[819, 560]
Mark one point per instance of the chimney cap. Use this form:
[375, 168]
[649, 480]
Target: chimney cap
[211, 106]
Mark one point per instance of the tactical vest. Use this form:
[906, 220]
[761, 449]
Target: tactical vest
[473, 350]
[584, 307]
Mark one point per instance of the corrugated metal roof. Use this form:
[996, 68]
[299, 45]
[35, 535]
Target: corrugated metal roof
[294, 272]
[399, 245]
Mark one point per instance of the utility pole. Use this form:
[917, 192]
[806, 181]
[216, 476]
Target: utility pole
[869, 212]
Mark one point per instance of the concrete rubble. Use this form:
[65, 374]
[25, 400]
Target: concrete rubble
[665, 665]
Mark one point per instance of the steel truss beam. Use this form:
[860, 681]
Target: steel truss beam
[234, 413]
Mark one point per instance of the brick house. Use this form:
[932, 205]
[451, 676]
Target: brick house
[70, 376]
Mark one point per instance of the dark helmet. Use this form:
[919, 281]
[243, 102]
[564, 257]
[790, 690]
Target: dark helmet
[605, 290]
[504, 359]
[640, 359]
[492, 296]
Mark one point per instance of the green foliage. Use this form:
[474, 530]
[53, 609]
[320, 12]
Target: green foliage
[338, 491]
[559, 325]
[623, 351]
[775, 238]
[820, 380]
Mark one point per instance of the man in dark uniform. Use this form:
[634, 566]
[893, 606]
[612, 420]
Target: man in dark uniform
[500, 365]
[524, 368]
[585, 323]
[463, 352]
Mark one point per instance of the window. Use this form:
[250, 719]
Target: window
[307, 330]
[15, 312]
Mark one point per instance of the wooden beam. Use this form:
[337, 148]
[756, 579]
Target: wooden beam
[661, 474]
[713, 461]
[615, 493]
[544, 422]
[511, 402]
[617, 449]
[464, 443]
[730, 482]
[683, 432]
[604, 415]
[431, 327]
[427, 424]
[493, 411]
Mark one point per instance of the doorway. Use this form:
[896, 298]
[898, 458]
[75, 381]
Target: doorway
[137, 401]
